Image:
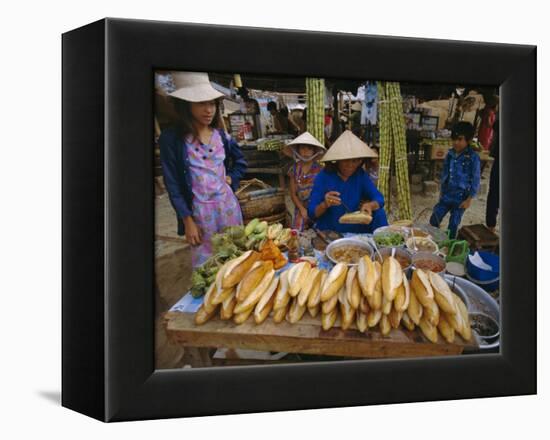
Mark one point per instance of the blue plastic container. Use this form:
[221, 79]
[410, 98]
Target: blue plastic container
[482, 275]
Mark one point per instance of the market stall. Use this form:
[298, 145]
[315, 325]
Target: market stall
[272, 304]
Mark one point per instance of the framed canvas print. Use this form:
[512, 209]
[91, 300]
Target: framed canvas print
[256, 220]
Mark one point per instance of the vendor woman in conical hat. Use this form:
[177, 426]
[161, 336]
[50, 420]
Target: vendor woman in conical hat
[306, 152]
[344, 185]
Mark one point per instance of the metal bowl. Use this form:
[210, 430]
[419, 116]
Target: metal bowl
[337, 244]
[484, 319]
[399, 251]
[438, 235]
[412, 241]
[431, 257]
[479, 301]
[401, 230]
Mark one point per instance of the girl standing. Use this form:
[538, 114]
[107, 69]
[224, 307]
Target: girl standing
[306, 151]
[201, 164]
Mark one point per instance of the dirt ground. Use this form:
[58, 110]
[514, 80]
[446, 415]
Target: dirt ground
[173, 260]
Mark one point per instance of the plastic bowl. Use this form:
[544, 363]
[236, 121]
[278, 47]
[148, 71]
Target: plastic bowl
[479, 275]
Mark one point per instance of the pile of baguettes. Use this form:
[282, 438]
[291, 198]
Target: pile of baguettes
[370, 294]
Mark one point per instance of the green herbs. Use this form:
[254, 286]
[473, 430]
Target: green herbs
[388, 239]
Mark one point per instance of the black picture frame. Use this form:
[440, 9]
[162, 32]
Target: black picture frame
[108, 223]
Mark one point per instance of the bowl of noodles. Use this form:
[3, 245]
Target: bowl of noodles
[348, 251]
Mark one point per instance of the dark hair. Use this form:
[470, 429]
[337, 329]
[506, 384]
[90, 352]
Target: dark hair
[463, 129]
[284, 112]
[332, 167]
[185, 122]
[271, 106]
[491, 101]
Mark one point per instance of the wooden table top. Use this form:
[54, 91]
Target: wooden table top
[307, 336]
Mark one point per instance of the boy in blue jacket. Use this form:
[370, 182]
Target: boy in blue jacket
[459, 178]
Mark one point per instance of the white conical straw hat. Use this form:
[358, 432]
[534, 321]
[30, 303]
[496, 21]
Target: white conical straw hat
[348, 146]
[194, 87]
[305, 138]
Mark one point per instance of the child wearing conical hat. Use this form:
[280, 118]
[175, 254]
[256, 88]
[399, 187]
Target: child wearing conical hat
[306, 152]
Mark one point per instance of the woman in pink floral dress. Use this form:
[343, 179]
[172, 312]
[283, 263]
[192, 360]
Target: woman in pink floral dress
[202, 165]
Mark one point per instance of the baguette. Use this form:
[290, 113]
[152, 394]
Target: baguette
[347, 313]
[387, 305]
[315, 296]
[238, 267]
[267, 295]
[431, 313]
[227, 307]
[280, 313]
[202, 316]
[392, 277]
[428, 329]
[297, 277]
[367, 276]
[314, 311]
[296, 311]
[335, 281]
[328, 319]
[375, 302]
[261, 313]
[364, 305]
[221, 295]
[373, 317]
[466, 331]
[356, 218]
[353, 291]
[207, 300]
[256, 294]
[395, 317]
[253, 278]
[282, 297]
[403, 296]
[407, 321]
[442, 293]
[415, 309]
[219, 277]
[385, 326]
[239, 318]
[310, 285]
[361, 321]
[422, 287]
[446, 330]
[329, 305]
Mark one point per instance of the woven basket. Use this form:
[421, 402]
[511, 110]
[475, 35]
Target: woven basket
[254, 205]
[276, 218]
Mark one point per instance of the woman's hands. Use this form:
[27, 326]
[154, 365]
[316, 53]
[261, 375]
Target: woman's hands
[332, 198]
[368, 207]
[228, 180]
[192, 231]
